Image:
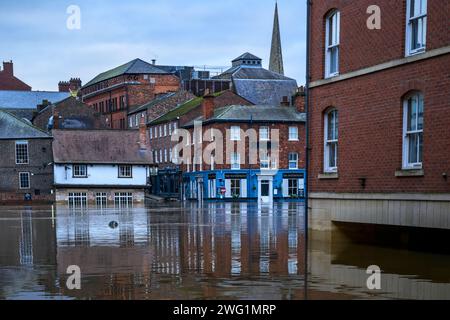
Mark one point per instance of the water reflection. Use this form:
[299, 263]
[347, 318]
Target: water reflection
[182, 251]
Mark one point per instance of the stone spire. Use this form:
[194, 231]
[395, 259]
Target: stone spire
[276, 54]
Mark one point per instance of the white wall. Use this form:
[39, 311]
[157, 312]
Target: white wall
[100, 175]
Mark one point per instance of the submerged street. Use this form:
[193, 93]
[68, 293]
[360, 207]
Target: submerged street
[220, 251]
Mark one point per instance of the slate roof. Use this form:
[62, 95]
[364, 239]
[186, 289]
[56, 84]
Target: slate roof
[268, 92]
[12, 127]
[27, 114]
[99, 147]
[256, 113]
[10, 99]
[136, 66]
[246, 56]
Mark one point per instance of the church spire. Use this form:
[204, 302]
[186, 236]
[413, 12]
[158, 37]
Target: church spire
[276, 54]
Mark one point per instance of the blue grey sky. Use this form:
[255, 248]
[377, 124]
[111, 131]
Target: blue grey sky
[177, 32]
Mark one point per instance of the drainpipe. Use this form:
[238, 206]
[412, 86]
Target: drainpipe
[307, 108]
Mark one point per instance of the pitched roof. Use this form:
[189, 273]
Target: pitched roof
[136, 66]
[10, 99]
[181, 110]
[257, 113]
[266, 92]
[12, 127]
[246, 56]
[99, 146]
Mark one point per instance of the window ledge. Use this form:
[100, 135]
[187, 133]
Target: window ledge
[328, 176]
[294, 140]
[409, 173]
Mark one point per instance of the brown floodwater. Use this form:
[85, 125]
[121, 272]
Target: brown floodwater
[183, 251]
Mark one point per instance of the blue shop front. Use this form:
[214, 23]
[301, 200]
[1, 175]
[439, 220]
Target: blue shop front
[264, 186]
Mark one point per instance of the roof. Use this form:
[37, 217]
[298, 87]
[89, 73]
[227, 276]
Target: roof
[246, 56]
[10, 99]
[181, 110]
[251, 72]
[27, 114]
[99, 147]
[265, 92]
[256, 113]
[136, 66]
[12, 127]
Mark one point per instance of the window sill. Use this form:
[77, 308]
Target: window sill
[409, 173]
[294, 140]
[328, 176]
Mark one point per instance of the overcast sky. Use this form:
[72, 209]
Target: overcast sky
[177, 32]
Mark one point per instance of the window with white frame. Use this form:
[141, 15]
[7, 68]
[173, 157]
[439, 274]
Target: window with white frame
[161, 159]
[165, 155]
[293, 160]
[125, 171]
[264, 133]
[151, 133]
[235, 133]
[332, 44]
[293, 187]
[331, 135]
[416, 26]
[170, 129]
[235, 187]
[22, 152]
[413, 131]
[235, 161]
[293, 133]
[170, 155]
[79, 171]
[160, 131]
[264, 161]
[131, 122]
[165, 130]
[24, 180]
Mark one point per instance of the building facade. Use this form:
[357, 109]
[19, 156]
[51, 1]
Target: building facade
[378, 102]
[259, 153]
[101, 167]
[26, 171]
[167, 181]
[115, 92]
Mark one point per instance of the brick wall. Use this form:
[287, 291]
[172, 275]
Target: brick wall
[361, 47]
[41, 174]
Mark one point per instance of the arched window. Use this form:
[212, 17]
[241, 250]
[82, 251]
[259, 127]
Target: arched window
[331, 136]
[413, 131]
[332, 40]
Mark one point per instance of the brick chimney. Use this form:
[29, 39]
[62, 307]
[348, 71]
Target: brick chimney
[43, 105]
[56, 119]
[143, 134]
[8, 68]
[63, 86]
[208, 105]
[299, 99]
[75, 84]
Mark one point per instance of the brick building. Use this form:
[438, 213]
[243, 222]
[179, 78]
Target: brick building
[158, 107]
[26, 170]
[69, 113]
[8, 81]
[117, 91]
[167, 181]
[378, 102]
[269, 166]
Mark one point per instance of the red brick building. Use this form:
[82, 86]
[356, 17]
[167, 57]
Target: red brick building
[8, 81]
[167, 182]
[378, 113]
[115, 92]
[262, 155]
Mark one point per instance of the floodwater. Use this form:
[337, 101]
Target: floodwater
[182, 251]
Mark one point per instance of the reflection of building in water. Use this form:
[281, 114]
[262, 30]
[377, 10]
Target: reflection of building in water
[26, 238]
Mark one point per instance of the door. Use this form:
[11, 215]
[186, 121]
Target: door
[265, 191]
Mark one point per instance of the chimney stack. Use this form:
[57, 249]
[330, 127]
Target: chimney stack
[153, 61]
[43, 105]
[75, 84]
[56, 119]
[208, 105]
[299, 99]
[63, 86]
[8, 68]
[142, 134]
